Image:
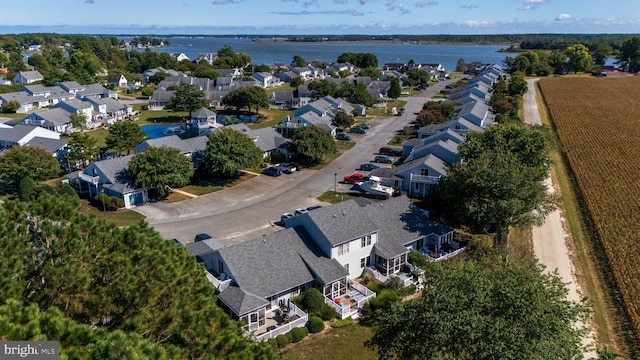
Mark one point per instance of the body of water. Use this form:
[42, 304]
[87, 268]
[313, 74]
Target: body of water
[161, 130]
[283, 52]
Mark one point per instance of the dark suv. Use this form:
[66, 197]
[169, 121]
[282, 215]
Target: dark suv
[272, 171]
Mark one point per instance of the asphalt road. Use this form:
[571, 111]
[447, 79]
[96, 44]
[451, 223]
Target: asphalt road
[251, 209]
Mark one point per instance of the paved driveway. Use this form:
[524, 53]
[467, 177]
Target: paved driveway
[251, 209]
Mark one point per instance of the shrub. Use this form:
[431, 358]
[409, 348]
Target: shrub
[375, 286]
[44, 188]
[327, 313]
[273, 342]
[277, 158]
[312, 300]
[342, 323]
[298, 334]
[383, 300]
[289, 336]
[297, 300]
[315, 325]
[394, 283]
[67, 190]
[411, 289]
[26, 188]
[417, 259]
[282, 340]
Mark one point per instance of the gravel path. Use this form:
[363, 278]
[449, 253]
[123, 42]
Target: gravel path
[550, 239]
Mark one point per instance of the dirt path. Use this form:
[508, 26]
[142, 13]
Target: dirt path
[550, 239]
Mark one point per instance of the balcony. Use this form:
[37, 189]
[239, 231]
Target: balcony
[95, 180]
[349, 303]
[424, 179]
[281, 321]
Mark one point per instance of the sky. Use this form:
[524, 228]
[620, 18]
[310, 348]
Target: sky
[291, 17]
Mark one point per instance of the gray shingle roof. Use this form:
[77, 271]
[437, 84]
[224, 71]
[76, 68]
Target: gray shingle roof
[50, 145]
[116, 172]
[241, 301]
[266, 139]
[16, 133]
[278, 262]
[202, 113]
[342, 222]
[198, 143]
[203, 247]
[430, 160]
[53, 116]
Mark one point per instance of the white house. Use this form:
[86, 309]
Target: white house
[117, 80]
[27, 77]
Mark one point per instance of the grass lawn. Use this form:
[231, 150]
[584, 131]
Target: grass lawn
[327, 160]
[334, 198]
[272, 118]
[201, 188]
[399, 139]
[161, 116]
[175, 197]
[120, 217]
[380, 111]
[345, 145]
[344, 343]
[13, 115]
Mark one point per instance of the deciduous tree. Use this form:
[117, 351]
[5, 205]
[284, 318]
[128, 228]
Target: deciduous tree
[322, 88]
[395, 90]
[229, 151]
[313, 143]
[247, 97]
[298, 61]
[21, 161]
[342, 119]
[493, 308]
[579, 58]
[160, 168]
[629, 56]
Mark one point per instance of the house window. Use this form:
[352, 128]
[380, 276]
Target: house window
[366, 240]
[220, 267]
[346, 267]
[424, 172]
[343, 249]
[417, 186]
[365, 262]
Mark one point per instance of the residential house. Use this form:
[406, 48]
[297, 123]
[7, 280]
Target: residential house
[72, 87]
[447, 150]
[55, 119]
[160, 98]
[288, 127]
[179, 56]
[283, 99]
[117, 80]
[420, 175]
[409, 145]
[96, 91]
[203, 118]
[266, 79]
[27, 101]
[208, 57]
[215, 97]
[268, 140]
[109, 110]
[150, 72]
[27, 77]
[79, 107]
[287, 76]
[193, 148]
[394, 67]
[29, 135]
[111, 177]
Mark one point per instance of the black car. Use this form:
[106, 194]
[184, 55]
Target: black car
[272, 171]
[358, 130]
[365, 126]
[369, 167]
[343, 136]
[202, 236]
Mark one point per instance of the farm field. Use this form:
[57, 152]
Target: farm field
[598, 124]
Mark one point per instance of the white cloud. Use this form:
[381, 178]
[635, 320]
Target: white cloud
[352, 12]
[226, 2]
[533, 4]
[426, 3]
[469, 6]
[563, 17]
[339, 1]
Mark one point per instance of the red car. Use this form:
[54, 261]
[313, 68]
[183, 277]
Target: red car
[354, 178]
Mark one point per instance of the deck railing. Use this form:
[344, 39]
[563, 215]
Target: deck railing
[424, 179]
[285, 328]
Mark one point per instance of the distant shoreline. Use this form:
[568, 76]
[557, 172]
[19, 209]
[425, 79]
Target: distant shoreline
[271, 41]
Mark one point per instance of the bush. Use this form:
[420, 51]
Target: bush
[411, 289]
[282, 340]
[383, 300]
[312, 300]
[417, 259]
[67, 190]
[273, 343]
[375, 286]
[277, 158]
[342, 323]
[315, 325]
[44, 188]
[26, 188]
[298, 334]
[327, 313]
[289, 337]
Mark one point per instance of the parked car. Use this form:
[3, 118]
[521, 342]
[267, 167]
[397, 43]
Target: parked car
[300, 211]
[272, 171]
[343, 136]
[365, 126]
[369, 166]
[289, 168]
[449, 86]
[285, 216]
[202, 236]
[383, 159]
[423, 86]
[354, 178]
[389, 151]
[401, 111]
[314, 207]
[358, 130]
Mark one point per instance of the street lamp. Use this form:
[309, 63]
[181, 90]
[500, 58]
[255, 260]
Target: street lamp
[335, 184]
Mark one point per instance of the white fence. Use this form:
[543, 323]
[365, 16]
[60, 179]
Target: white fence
[285, 328]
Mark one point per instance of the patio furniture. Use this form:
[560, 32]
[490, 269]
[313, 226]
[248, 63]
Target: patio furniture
[358, 297]
[352, 293]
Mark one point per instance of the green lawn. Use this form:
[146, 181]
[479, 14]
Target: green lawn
[327, 160]
[13, 115]
[334, 198]
[345, 145]
[272, 117]
[399, 139]
[201, 188]
[120, 217]
[398, 104]
[161, 116]
[335, 344]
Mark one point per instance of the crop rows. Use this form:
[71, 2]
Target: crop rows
[598, 123]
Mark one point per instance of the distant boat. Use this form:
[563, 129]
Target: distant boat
[190, 45]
